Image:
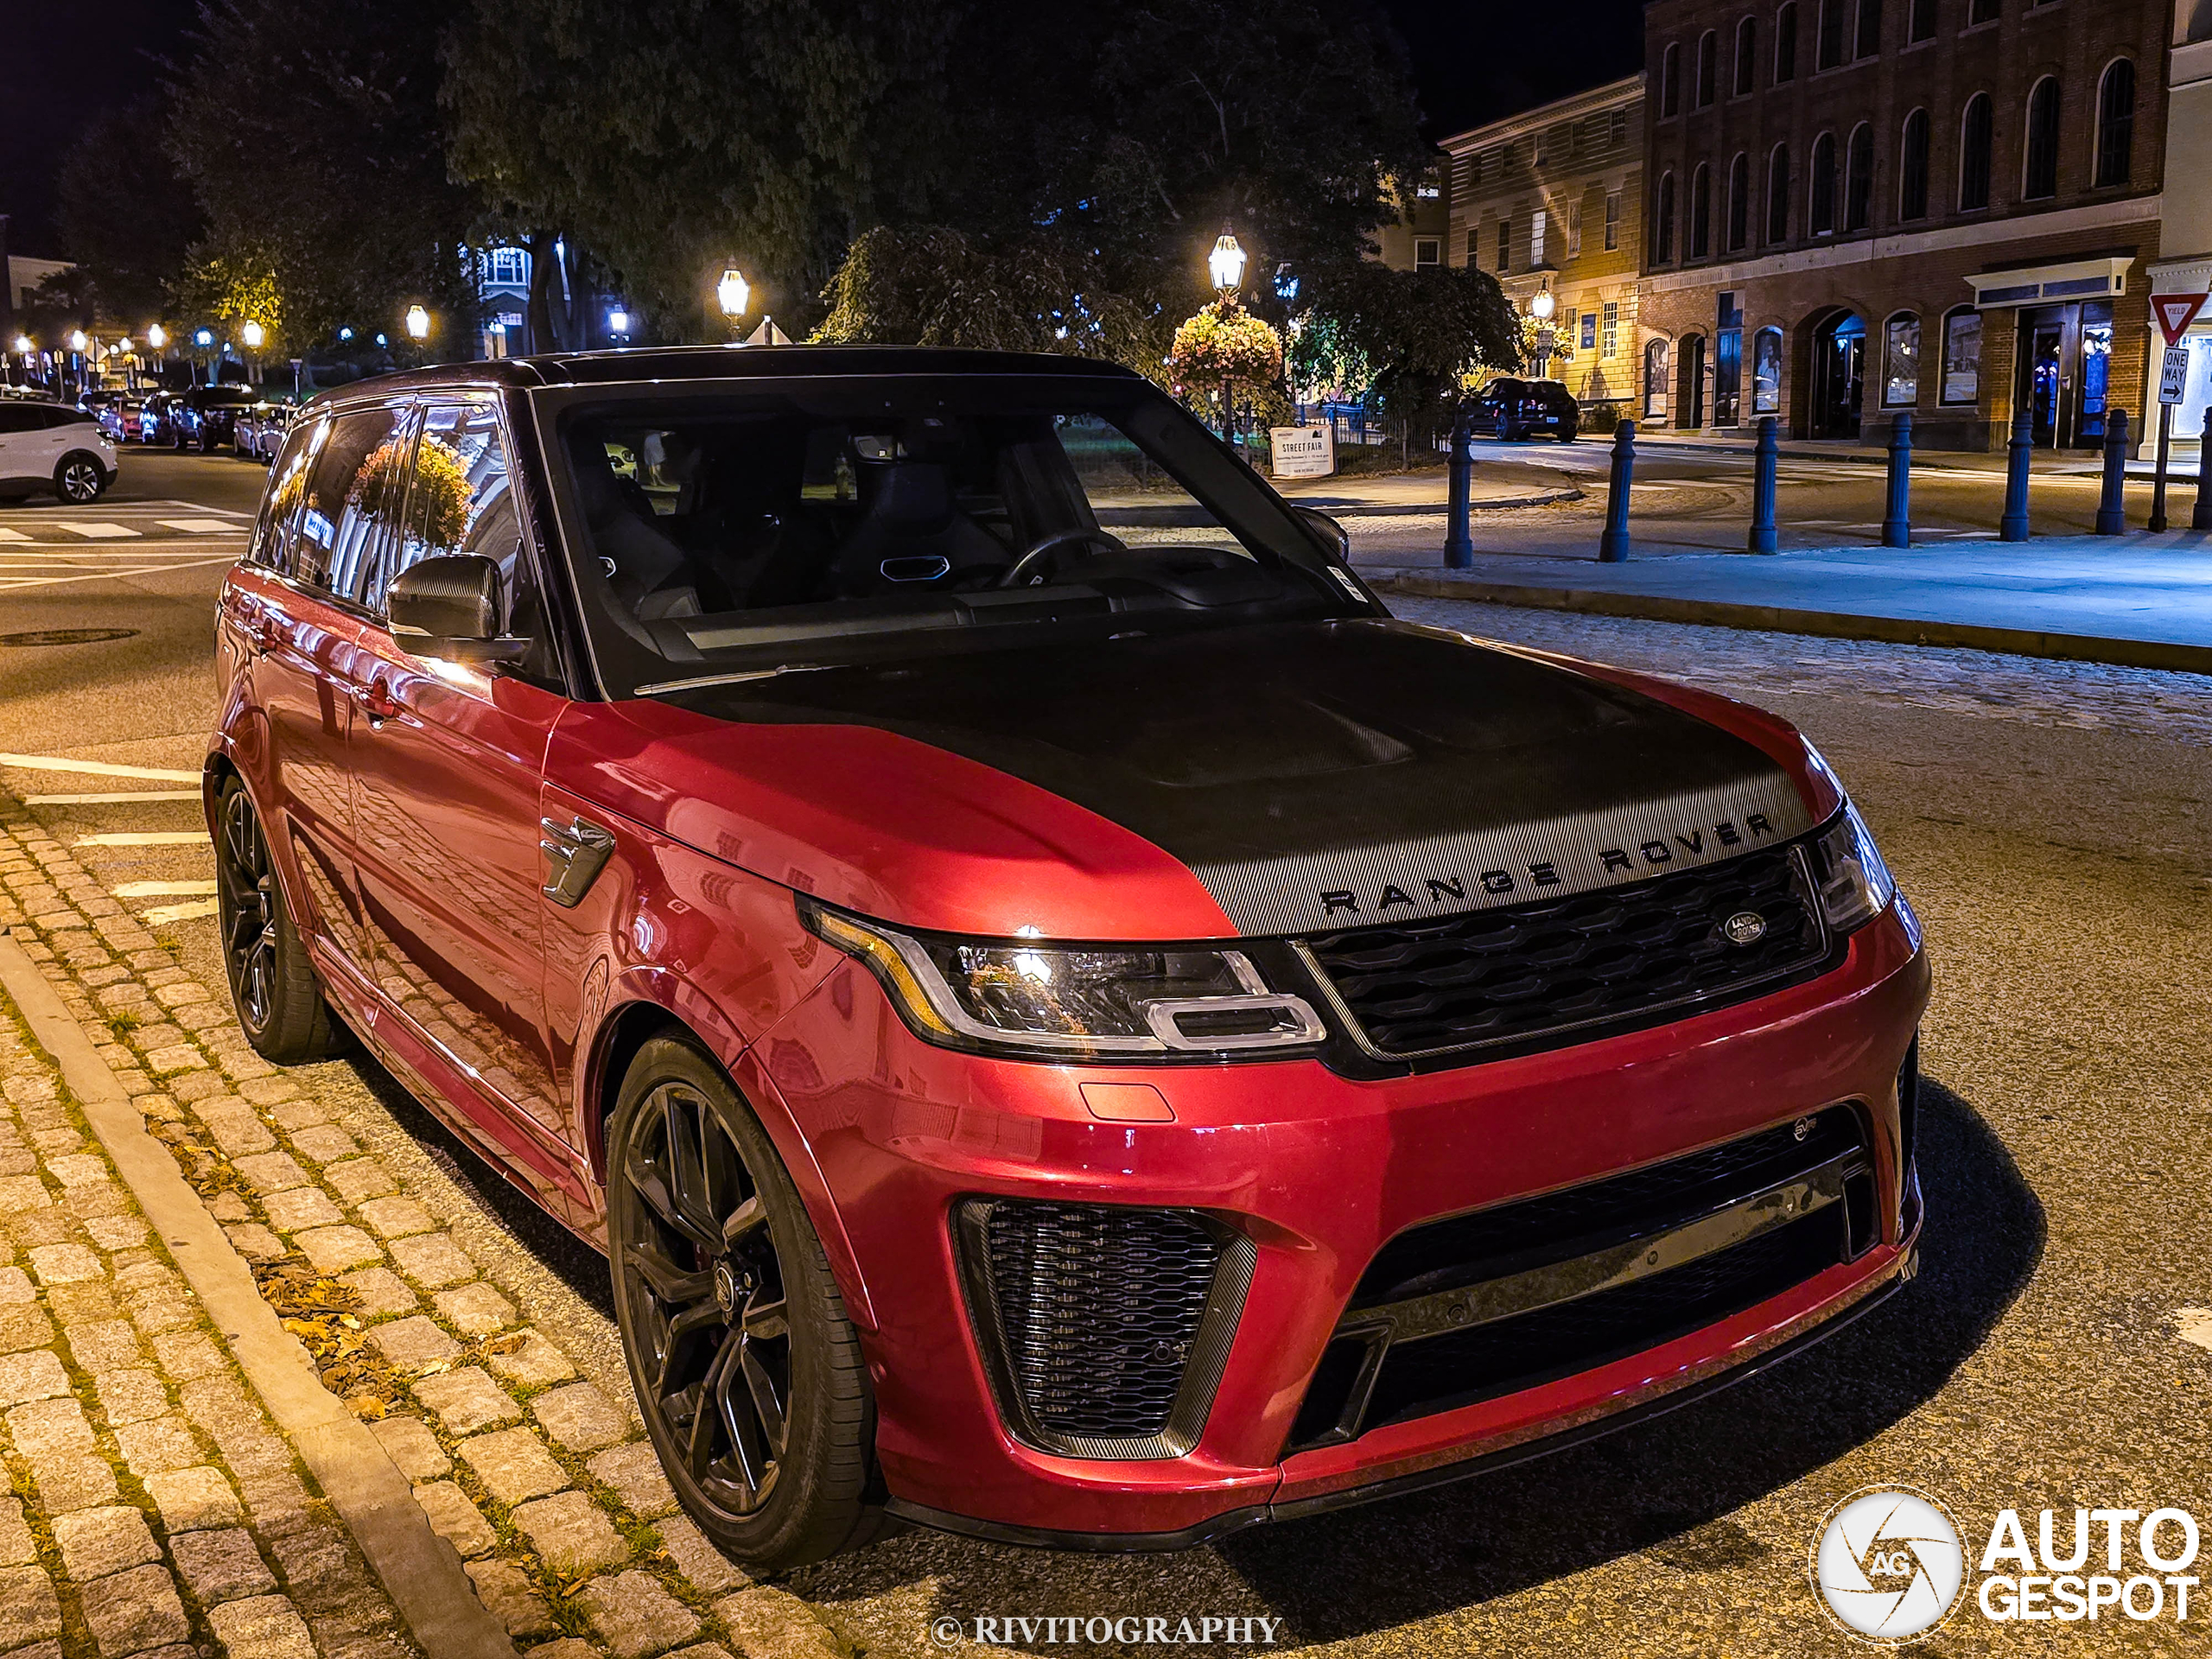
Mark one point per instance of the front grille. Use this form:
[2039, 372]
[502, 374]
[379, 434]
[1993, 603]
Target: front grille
[1582, 962]
[1368, 1376]
[1103, 1322]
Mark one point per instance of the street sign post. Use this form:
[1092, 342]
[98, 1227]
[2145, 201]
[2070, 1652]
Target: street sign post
[2173, 374]
[2174, 312]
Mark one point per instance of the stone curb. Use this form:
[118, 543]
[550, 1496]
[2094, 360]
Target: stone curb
[1432, 509]
[422, 1572]
[1826, 625]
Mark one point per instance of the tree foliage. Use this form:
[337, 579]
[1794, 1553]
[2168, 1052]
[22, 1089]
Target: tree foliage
[1404, 339]
[311, 137]
[125, 216]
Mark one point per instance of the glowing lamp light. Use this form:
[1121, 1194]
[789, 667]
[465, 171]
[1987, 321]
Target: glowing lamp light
[732, 293]
[381, 340]
[23, 344]
[1542, 305]
[205, 337]
[345, 333]
[418, 323]
[76, 340]
[1226, 263]
[252, 333]
[158, 336]
[618, 322]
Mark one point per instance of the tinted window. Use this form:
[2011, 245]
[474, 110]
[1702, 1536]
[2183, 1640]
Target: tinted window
[15, 417]
[353, 498]
[459, 500]
[280, 504]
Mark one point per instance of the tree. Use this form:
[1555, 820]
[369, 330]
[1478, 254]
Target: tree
[311, 137]
[667, 139]
[1404, 339]
[125, 216]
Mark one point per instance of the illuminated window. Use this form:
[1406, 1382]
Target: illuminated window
[1901, 361]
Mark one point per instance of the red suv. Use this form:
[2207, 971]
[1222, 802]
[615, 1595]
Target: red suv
[1069, 1024]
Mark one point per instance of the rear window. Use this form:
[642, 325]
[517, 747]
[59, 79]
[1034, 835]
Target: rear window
[748, 529]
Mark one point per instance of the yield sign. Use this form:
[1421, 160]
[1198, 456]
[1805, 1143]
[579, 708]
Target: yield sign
[2176, 312]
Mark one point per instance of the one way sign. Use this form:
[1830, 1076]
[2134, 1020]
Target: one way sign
[2176, 312]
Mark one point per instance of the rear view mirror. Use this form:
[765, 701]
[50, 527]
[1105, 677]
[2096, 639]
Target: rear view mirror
[1330, 532]
[448, 606]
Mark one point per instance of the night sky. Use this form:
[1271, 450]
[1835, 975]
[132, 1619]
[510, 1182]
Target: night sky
[1473, 60]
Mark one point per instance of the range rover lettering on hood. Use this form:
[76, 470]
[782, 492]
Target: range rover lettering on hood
[1330, 774]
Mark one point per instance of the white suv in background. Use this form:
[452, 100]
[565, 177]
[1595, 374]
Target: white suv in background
[46, 447]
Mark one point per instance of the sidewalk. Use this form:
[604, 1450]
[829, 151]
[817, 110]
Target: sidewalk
[2140, 601]
[2181, 465]
[293, 1417]
[1406, 494]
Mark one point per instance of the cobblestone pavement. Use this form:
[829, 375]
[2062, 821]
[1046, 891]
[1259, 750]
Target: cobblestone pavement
[158, 1507]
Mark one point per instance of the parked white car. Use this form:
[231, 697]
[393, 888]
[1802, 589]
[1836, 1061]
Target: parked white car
[46, 447]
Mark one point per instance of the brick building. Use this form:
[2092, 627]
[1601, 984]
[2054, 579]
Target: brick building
[1855, 207]
[1550, 200]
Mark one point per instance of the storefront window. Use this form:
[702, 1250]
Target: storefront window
[1766, 373]
[2096, 367]
[1901, 362]
[1963, 357]
[1654, 380]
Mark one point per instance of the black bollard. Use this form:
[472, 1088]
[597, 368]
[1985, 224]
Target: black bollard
[1765, 458]
[2014, 525]
[1612, 546]
[1458, 545]
[2201, 519]
[2112, 506]
[1896, 521]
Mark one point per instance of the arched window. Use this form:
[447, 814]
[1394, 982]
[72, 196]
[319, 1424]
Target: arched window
[1821, 188]
[1739, 202]
[1859, 179]
[1662, 222]
[1921, 26]
[1747, 52]
[1702, 211]
[1777, 194]
[2040, 178]
[1835, 33]
[1708, 66]
[1912, 167]
[1869, 44]
[1670, 80]
[1654, 380]
[2116, 124]
[1785, 43]
[1976, 133]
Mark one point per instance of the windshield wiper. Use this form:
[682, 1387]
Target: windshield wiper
[738, 678]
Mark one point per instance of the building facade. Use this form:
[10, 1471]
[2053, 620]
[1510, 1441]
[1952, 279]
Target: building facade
[1855, 208]
[1549, 201]
[2185, 255]
[1414, 238]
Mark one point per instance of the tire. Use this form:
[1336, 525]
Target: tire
[707, 1239]
[1510, 433]
[207, 444]
[1566, 433]
[280, 1005]
[81, 480]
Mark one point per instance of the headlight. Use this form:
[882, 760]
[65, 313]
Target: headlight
[1856, 885]
[1060, 1001]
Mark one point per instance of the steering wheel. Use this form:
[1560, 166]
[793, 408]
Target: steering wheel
[1023, 572]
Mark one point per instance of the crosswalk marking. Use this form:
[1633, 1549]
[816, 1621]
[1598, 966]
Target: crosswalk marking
[96, 768]
[7, 534]
[163, 890]
[97, 531]
[144, 838]
[120, 798]
[183, 912]
[198, 526]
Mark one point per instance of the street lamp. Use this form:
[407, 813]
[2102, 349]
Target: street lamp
[253, 334]
[1543, 304]
[418, 324]
[1226, 263]
[204, 339]
[732, 293]
[618, 323]
[156, 336]
[76, 339]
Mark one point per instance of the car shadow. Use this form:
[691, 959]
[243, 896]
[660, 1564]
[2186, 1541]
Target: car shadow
[1667, 1485]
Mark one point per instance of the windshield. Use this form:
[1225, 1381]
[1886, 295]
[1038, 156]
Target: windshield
[753, 529]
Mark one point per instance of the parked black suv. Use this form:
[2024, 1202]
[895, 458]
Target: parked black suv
[204, 415]
[1513, 410]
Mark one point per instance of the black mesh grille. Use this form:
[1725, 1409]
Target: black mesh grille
[1587, 960]
[1578, 1220]
[1098, 1308]
[1441, 1373]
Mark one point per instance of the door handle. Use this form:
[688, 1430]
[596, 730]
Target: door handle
[260, 633]
[377, 701]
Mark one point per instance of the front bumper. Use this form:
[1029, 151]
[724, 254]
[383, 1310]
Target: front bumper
[1318, 1172]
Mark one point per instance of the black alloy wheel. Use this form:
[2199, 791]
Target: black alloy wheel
[746, 1370]
[78, 480]
[280, 1005]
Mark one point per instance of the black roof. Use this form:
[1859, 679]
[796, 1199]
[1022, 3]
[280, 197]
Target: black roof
[709, 362]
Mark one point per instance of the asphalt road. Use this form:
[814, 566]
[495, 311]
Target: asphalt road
[2049, 822]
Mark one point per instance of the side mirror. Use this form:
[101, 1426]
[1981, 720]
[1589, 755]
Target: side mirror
[448, 606]
[1332, 534]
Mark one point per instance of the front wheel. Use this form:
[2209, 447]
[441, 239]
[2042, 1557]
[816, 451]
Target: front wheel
[280, 1005]
[79, 479]
[747, 1373]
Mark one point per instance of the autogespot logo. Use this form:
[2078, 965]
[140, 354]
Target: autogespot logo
[1888, 1564]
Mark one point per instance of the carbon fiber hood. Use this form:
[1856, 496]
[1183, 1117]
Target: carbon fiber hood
[1330, 774]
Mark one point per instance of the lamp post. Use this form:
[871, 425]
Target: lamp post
[618, 324]
[1541, 307]
[1225, 265]
[250, 335]
[732, 294]
[417, 323]
[203, 338]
